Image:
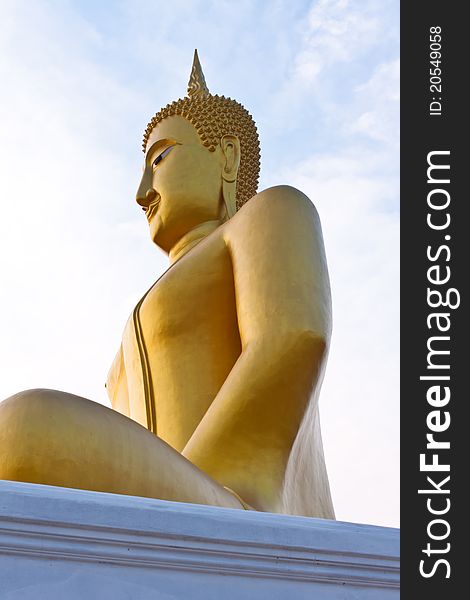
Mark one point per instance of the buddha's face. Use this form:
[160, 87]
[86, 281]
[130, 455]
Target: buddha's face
[181, 185]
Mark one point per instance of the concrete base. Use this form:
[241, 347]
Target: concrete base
[58, 543]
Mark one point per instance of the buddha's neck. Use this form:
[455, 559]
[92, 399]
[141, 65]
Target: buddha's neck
[190, 239]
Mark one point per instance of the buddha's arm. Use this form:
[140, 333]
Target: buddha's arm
[283, 305]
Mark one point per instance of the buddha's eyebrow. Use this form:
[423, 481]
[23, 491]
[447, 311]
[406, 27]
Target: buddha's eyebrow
[155, 145]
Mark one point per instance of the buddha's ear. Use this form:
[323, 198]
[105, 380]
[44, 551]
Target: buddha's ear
[230, 145]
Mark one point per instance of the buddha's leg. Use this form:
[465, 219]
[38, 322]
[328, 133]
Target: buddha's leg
[51, 437]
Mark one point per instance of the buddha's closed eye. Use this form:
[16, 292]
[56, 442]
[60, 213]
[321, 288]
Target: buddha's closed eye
[161, 156]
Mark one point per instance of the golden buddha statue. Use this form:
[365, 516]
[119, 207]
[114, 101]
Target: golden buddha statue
[215, 385]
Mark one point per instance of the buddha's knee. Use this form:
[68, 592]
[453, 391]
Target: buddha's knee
[30, 410]
[33, 427]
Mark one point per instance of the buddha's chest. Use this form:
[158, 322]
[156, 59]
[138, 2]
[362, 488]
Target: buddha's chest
[195, 296]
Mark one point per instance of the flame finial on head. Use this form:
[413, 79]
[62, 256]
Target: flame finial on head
[197, 87]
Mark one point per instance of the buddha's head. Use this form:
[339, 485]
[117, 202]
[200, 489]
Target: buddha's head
[201, 164]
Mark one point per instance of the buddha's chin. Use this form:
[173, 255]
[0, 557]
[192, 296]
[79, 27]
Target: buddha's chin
[157, 233]
[155, 226]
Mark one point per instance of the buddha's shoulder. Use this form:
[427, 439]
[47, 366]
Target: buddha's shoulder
[281, 203]
[280, 199]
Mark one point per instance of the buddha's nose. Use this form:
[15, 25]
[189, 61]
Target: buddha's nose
[146, 199]
[145, 194]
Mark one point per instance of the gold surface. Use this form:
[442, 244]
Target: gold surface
[220, 359]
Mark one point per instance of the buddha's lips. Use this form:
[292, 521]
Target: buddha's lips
[152, 208]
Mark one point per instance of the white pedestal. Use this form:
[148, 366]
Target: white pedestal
[58, 543]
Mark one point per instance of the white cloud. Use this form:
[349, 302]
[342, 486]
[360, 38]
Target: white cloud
[336, 31]
[380, 96]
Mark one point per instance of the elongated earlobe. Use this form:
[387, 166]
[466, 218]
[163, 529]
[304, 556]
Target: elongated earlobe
[230, 145]
[229, 192]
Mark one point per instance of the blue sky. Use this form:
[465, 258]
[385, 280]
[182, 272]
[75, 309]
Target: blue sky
[80, 81]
